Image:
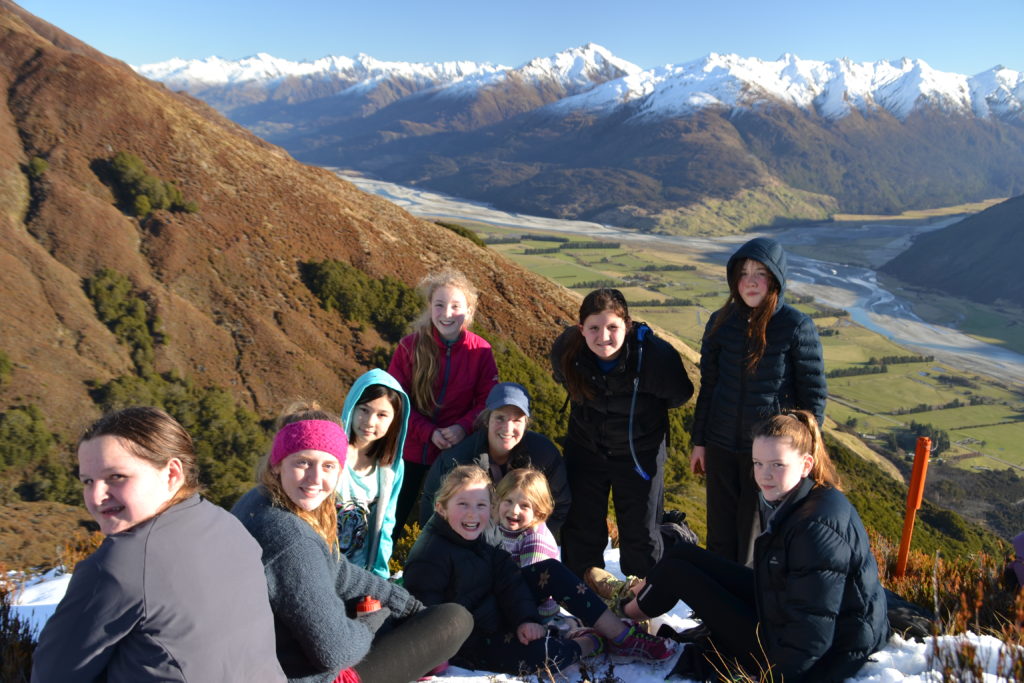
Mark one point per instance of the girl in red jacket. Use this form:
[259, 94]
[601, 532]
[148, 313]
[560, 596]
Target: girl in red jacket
[447, 371]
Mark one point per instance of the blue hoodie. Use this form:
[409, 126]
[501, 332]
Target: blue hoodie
[389, 478]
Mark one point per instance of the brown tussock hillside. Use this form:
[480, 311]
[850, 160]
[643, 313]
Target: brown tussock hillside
[225, 281]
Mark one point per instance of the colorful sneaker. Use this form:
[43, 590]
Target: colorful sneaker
[639, 645]
[600, 642]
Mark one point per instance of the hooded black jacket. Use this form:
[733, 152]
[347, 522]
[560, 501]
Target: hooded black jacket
[444, 567]
[601, 425]
[821, 609]
[791, 373]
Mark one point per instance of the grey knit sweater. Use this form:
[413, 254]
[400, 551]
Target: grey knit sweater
[312, 591]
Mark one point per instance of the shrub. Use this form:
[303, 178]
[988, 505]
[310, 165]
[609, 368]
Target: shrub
[463, 231]
[144, 192]
[388, 303]
[127, 314]
[37, 167]
[24, 438]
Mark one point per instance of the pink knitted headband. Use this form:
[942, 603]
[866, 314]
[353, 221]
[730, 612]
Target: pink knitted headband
[310, 435]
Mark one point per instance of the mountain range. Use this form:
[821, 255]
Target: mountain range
[720, 143]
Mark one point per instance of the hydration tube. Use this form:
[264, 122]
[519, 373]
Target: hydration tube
[641, 332]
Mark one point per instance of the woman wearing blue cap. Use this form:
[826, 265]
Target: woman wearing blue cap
[501, 441]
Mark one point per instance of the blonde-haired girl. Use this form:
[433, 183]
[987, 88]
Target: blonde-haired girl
[453, 560]
[447, 372]
[811, 609]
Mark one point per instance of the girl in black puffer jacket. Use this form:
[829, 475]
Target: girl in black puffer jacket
[811, 609]
[622, 381]
[759, 356]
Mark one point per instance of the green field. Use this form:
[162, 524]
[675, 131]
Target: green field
[875, 401]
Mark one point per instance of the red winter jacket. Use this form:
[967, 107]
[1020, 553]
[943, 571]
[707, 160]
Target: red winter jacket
[466, 374]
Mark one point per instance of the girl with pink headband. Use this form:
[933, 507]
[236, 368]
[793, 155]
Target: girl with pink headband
[314, 590]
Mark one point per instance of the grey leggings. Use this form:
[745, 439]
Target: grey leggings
[406, 650]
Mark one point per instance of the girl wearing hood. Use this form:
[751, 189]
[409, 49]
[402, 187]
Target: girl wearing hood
[758, 357]
[375, 418]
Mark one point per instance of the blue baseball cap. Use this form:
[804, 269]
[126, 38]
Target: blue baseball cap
[509, 394]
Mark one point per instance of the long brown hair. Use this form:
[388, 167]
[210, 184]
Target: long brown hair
[154, 436]
[757, 318]
[598, 301]
[425, 363]
[383, 449]
[324, 519]
[801, 428]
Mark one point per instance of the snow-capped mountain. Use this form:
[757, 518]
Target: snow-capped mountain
[595, 80]
[585, 134]
[831, 89]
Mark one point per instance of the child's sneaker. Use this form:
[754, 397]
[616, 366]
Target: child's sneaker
[639, 645]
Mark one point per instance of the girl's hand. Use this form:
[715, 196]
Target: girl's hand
[453, 434]
[697, 460]
[528, 632]
[438, 439]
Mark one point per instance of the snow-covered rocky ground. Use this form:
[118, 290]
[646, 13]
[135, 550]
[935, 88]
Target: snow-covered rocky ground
[901, 660]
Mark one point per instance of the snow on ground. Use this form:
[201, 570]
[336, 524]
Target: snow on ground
[901, 660]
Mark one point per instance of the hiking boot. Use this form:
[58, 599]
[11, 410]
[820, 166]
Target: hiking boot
[639, 645]
[601, 582]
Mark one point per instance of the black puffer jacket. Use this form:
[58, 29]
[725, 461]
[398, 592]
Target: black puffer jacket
[534, 450]
[444, 567]
[791, 373]
[601, 425]
[820, 606]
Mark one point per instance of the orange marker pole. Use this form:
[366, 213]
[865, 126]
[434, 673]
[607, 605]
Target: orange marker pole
[914, 496]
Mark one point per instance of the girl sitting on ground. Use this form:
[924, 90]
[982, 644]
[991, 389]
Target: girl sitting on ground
[811, 609]
[176, 591]
[374, 417]
[452, 560]
[314, 590]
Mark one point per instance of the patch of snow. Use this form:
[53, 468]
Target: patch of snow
[902, 660]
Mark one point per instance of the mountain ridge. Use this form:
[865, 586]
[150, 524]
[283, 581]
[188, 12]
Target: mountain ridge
[720, 144]
[832, 87]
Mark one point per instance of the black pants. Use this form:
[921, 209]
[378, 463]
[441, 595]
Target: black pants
[719, 591]
[731, 502]
[551, 578]
[504, 653]
[412, 486]
[406, 650]
[638, 509]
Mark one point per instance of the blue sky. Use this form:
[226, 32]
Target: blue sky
[951, 35]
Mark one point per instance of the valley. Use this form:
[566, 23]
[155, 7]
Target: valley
[965, 369]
